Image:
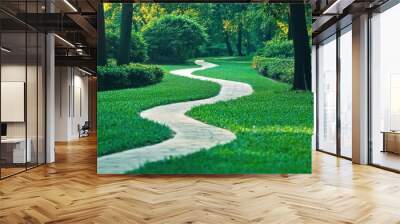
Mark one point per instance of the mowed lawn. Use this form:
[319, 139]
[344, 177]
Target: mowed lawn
[119, 125]
[273, 128]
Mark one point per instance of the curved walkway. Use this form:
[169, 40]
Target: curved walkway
[190, 135]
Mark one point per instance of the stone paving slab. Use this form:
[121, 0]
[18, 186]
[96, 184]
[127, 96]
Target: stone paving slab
[190, 135]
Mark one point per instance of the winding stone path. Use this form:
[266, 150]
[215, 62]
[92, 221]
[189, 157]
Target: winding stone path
[190, 135]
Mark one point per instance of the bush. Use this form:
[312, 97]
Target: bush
[173, 39]
[138, 49]
[281, 69]
[128, 76]
[277, 48]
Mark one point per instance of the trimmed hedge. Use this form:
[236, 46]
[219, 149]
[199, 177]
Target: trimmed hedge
[277, 48]
[281, 69]
[128, 76]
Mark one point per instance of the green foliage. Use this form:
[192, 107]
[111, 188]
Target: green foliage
[112, 40]
[173, 39]
[273, 128]
[258, 23]
[277, 48]
[112, 77]
[119, 125]
[112, 14]
[138, 48]
[211, 50]
[276, 68]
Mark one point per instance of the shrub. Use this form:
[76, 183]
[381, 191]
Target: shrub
[138, 49]
[127, 76]
[173, 39]
[277, 48]
[281, 69]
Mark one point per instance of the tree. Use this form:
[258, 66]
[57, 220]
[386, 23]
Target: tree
[239, 11]
[173, 39]
[101, 40]
[290, 30]
[228, 43]
[239, 38]
[125, 34]
[137, 51]
[302, 51]
[220, 17]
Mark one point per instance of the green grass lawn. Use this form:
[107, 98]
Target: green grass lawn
[119, 125]
[273, 128]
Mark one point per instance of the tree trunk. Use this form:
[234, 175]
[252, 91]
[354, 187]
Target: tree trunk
[101, 39]
[125, 34]
[228, 44]
[249, 47]
[239, 39]
[290, 30]
[302, 51]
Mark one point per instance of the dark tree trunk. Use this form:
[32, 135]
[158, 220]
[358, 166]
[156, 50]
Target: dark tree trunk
[125, 34]
[101, 39]
[228, 44]
[302, 51]
[239, 39]
[249, 46]
[290, 31]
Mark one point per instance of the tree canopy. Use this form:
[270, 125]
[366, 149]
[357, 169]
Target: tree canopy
[173, 38]
[173, 32]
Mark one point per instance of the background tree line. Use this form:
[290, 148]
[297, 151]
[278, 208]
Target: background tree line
[172, 33]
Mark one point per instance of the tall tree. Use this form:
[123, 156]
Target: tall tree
[239, 11]
[125, 34]
[290, 31]
[221, 13]
[101, 39]
[239, 38]
[228, 43]
[302, 51]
